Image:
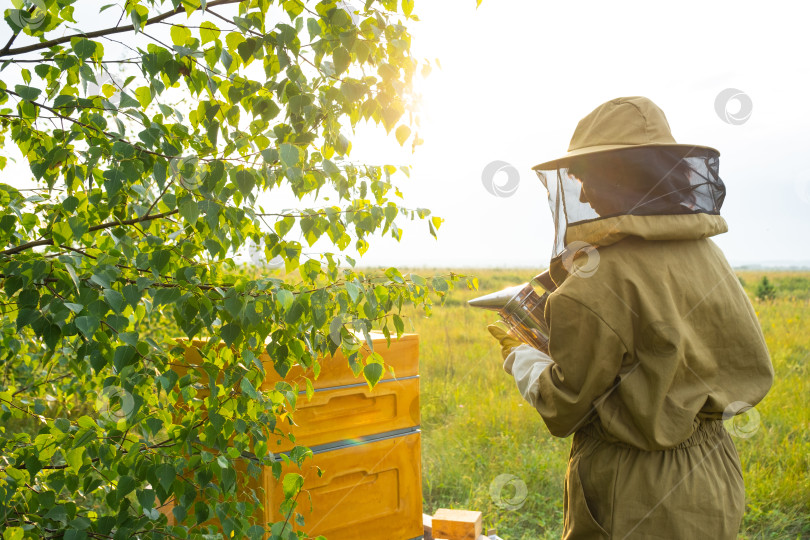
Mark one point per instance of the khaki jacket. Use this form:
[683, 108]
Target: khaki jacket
[650, 345]
[660, 336]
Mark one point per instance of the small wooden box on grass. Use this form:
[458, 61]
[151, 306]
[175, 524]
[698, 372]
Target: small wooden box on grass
[366, 442]
[456, 524]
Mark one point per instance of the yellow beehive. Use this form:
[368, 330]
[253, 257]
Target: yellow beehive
[365, 442]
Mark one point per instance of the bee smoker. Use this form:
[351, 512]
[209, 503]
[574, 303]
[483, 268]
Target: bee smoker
[521, 308]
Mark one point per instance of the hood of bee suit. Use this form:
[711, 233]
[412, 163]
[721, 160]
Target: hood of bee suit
[625, 175]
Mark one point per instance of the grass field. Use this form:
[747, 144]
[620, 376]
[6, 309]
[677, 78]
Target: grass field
[485, 449]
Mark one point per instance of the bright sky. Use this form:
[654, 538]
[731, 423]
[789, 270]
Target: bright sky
[516, 78]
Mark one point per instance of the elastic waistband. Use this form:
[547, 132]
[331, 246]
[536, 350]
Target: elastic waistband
[705, 431]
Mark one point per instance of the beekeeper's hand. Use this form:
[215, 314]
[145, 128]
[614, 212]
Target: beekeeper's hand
[525, 364]
[500, 331]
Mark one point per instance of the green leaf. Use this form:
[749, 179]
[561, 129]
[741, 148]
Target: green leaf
[208, 32]
[248, 388]
[57, 513]
[165, 474]
[292, 484]
[83, 47]
[230, 333]
[290, 155]
[62, 233]
[294, 313]
[440, 284]
[144, 96]
[139, 16]
[127, 102]
[72, 273]
[244, 181]
[27, 93]
[342, 59]
[87, 325]
[373, 373]
[132, 295]
[399, 325]
[330, 168]
[284, 225]
[402, 134]
[180, 35]
[353, 290]
[285, 299]
[13, 533]
[313, 27]
[190, 210]
[126, 484]
[160, 258]
[74, 458]
[115, 299]
[166, 296]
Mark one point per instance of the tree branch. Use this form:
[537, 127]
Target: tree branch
[105, 32]
[94, 128]
[50, 242]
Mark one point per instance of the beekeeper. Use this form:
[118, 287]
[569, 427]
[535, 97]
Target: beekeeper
[653, 342]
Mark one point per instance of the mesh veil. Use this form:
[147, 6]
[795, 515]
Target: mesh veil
[641, 181]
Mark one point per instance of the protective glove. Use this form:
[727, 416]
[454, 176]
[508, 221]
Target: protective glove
[500, 331]
[525, 364]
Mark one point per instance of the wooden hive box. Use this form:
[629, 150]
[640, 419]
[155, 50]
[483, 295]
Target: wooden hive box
[366, 442]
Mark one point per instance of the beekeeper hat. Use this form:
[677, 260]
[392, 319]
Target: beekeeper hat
[625, 122]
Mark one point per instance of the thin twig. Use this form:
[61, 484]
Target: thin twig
[50, 242]
[107, 31]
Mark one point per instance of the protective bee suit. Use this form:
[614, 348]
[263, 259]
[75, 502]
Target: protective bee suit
[652, 340]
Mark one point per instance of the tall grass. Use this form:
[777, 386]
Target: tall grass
[476, 427]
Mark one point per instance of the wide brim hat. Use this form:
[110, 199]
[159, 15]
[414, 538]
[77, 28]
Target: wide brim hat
[625, 122]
